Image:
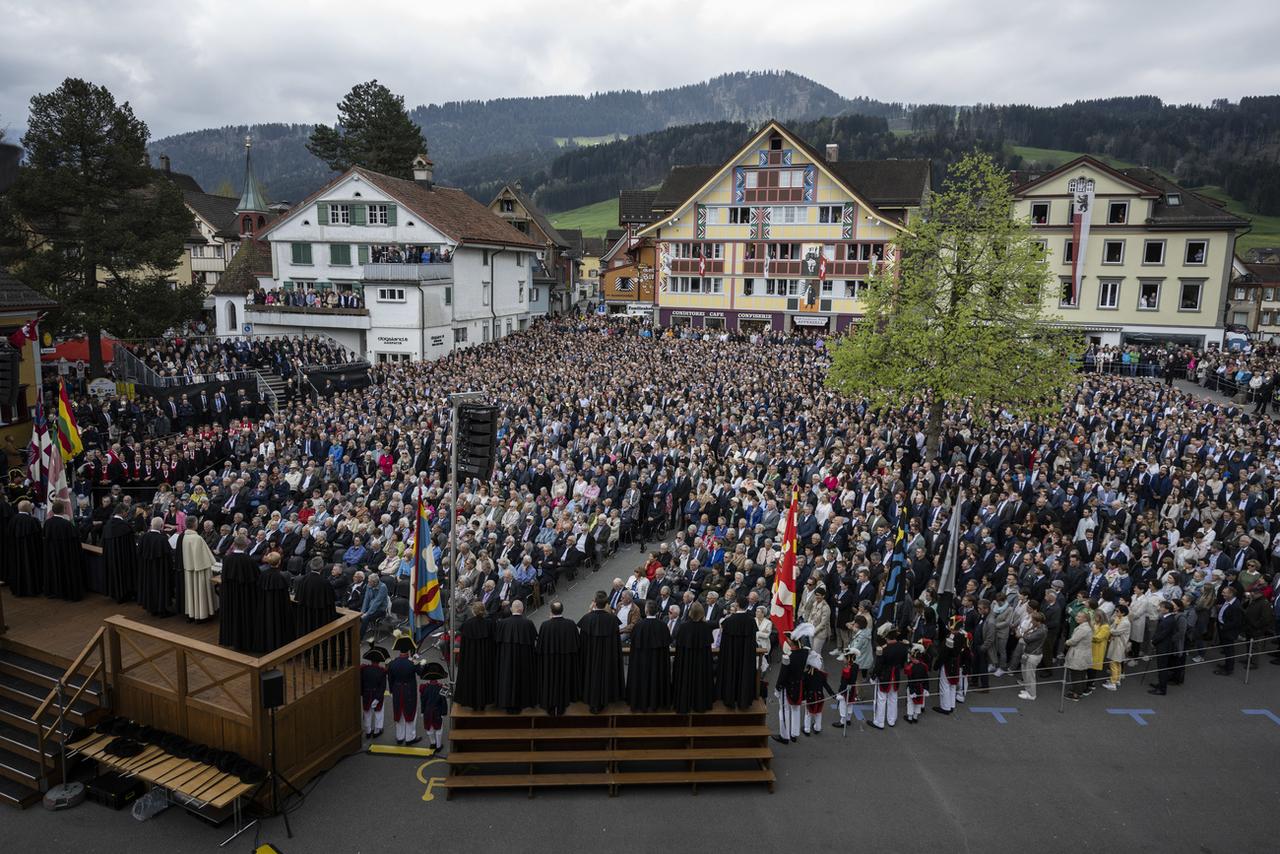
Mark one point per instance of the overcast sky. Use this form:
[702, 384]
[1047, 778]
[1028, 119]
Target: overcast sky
[190, 64]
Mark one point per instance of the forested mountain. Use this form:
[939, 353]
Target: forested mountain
[480, 143]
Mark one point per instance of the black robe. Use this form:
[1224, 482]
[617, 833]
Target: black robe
[601, 659]
[26, 555]
[235, 601]
[314, 607]
[736, 670]
[649, 670]
[155, 573]
[517, 676]
[272, 612]
[120, 559]
[477, 665]
[692, 672]
[63, 559]
[559, 664]
[6, 520]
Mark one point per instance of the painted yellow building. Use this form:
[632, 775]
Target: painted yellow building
[778, 237]
[1157, 258]
[18, 305]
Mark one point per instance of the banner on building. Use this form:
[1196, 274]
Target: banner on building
[1081, 190]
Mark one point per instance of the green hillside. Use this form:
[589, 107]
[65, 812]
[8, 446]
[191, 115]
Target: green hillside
[594, 220]
[1052, 158]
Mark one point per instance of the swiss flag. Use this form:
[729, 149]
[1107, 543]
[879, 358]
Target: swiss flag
[782, 610]
[702, 266]
[822, 268]
[19, 338]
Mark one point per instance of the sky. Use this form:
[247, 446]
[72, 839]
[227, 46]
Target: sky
[191, 64]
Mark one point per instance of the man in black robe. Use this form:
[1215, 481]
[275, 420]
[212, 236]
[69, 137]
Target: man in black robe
[314, 607]
[516, 638]
[6, 521]
[649, 670]
[693, 671]
[236, 596]
[476, 687]
[63, 557]
[559, 662]
[736, 669]
[26, 540]
[155, 570]
[601, 655]
[273, 617]
[120, 556]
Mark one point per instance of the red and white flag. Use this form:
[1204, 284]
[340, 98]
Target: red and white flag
[1081, 190]
[822, 268]
[702, 266]
[27, 332]
[782, 610]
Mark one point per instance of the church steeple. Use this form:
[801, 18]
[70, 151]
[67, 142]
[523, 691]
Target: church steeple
[253, 199]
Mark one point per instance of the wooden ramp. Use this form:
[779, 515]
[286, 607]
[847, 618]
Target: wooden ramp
[616, 748]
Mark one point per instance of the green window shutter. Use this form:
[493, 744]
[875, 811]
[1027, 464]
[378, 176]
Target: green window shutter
[363, 254]
[391, 214]
[340, 254]
[322, 214]
[301, 253]
[357, 214]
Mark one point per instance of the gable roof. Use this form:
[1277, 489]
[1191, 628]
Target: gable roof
[594, 247]
[887, 183]
[15, 296]
[683, 181]
[636, 206]
[185, 182]
[1032, 180]
[535, 214]
[218, 211]
[241, 275]
[573, 239]
[449, 210]
[1263, 272]
[1195, 210]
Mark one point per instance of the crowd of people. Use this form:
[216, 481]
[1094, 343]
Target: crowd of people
[183, 360]
[1139, 523]
[308, 296]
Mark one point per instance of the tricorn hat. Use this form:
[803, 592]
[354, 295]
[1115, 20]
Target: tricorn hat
[433, 670]
[405, 643]
[376, 654]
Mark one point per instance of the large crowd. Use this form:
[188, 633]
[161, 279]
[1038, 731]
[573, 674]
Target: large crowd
[1137, 526]
[186, 360]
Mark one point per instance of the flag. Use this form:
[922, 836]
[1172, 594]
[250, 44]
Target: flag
[822, 268]
[27, 332]
[55, 475]
[702, 266]
[947, 580]
[1081, 190]
[69, 440]
[35, 451]
[766, 262]
[892, 586]
[428, 607]
[782, 610]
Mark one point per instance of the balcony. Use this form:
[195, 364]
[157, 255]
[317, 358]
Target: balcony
[208, 265]
[393, 272]
[307, 317]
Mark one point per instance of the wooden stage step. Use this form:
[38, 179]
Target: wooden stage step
[604, 733]
[527, 757]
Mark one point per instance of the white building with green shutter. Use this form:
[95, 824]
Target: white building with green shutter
[399, 269]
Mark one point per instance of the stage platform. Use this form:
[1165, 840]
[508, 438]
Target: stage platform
[614, 748]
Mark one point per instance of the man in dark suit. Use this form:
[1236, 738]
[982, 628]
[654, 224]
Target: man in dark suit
[1163, 641]
[355, 596]
[1230, 620]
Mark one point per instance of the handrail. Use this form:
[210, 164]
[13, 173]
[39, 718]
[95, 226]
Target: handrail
[267, 392]
[99, 671]
[128, 366]
[75, 665]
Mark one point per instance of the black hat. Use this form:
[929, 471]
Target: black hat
[80, 733]
[124, 748]
[250, 773]
[376, 654]
[107, 724]
[433, 670]
[405, 643]
[227, 761]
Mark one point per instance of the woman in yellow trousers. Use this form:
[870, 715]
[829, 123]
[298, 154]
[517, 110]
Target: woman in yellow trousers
[1101, 636]
[1117, 646]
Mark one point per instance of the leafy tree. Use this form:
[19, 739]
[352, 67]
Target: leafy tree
[226, 190]
[960, 319]
[91, 225]
[373, 131]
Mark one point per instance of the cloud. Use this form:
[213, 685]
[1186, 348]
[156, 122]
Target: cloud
[185, 66]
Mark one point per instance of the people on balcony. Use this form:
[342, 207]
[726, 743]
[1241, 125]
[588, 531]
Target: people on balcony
[307, 296]
[410, 254]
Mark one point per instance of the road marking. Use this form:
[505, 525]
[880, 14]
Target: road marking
[1138, 715]
[400, 750]
[432, 782]
[997, 712]
[1266, 713]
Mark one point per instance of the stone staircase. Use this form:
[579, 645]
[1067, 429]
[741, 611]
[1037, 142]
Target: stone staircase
[25, 681]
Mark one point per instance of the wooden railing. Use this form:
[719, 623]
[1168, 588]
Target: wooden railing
[96, 644]
[213, 696]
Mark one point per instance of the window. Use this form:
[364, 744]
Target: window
[1149, 295]
[1240, 318]
[739, 216]
[1238, 294]
[377, 215]
[697, 285]
[1268, 294]
[484, 294]
[1043, 247]
[394, 358]
[533, 294]
[1039, 213]
[484, 257]
[339, 214]
[448, 296]
[782, 287]
[828, 287]
[520, 296]
[1068, 251]
[340, 254]
[519, 259]
[485, 333]
[830, 213]
[1117, 213]
[791, 178]
[1189, 299]
[508, 326]
[1153, 252]
[1109, 293]
[713, 216]
[1113, 252]
[748, 287]
[390, 294]
[1070, 298]
[1173, 199]
[854, 288]
[1196, 252]
[753, 180]
[700, 250]
[301, 252]
[460, 335]
[507, 206]
[775, 143]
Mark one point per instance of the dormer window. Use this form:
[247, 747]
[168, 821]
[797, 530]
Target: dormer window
[775, 143]
[1173, 199]
[507, 206]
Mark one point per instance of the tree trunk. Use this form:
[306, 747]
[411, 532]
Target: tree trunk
[93, 329]
[933, 429]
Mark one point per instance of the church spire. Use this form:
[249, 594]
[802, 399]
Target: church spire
[253, 198]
